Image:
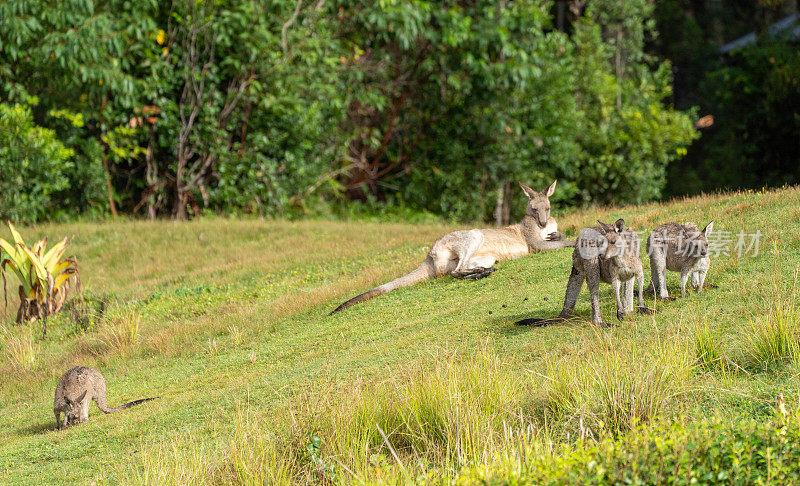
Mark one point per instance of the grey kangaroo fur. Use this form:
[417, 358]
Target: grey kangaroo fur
[679, 248]
[609, 254]
[76, 388]
[471, 253]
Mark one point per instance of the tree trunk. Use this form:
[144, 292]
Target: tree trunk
[620, 68]
[502, 210]
[109, 185]
[180, 205]
[151, 175]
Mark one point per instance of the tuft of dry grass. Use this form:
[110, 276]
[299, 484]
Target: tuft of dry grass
[235, 334]
[121, 331]
[20, 351]
[212, 347]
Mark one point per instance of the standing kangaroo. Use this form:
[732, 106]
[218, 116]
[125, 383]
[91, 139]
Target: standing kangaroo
[679, 248]
[471, 253]
[75, 389]
[607, 254]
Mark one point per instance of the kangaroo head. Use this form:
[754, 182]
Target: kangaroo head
[74, 409]
[539, 203]
[615, 238]
[702, 242]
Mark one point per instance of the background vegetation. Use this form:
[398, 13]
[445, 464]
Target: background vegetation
[752, 92]
[169, 109]
[277, 108]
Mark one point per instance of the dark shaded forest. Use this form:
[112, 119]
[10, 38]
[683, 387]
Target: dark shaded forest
[343, 108]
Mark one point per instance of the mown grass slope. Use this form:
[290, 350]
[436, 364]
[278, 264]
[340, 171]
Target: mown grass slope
[234, 336]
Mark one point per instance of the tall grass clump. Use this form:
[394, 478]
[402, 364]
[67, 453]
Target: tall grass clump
[185, 461]
[121, 331]
[709, 354]
[772, 340]
[612, 391]
[21, 352]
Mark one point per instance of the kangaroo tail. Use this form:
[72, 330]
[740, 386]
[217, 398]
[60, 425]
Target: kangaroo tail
[423, 272]
[101, 404]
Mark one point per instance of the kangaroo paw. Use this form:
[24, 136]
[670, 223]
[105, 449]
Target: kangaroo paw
[605, 324]
[482, 273]
[620, 315]
[474, 273]
[667, 299]
[465, 273]
[644, 310]
[556, 237]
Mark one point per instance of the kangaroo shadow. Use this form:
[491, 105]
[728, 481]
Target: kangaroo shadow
[505, 324]
[38, 429]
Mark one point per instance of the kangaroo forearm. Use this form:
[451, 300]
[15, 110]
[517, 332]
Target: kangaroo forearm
[542, 245]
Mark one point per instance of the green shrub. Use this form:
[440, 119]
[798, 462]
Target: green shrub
[32, 165]
[716, 451]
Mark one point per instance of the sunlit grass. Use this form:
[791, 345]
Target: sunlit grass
[709, 353]
[234, 335]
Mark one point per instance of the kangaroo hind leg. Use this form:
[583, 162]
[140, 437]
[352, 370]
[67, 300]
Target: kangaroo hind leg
[469, 266]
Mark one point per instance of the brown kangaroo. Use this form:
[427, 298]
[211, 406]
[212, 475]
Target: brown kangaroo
[470, 254]
[76, 388]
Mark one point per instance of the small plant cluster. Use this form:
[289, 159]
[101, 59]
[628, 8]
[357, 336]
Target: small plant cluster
[44, 275]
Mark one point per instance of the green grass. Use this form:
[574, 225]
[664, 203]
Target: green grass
[226, 321]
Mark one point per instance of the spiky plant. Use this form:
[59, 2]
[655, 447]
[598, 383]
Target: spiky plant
[44, 275]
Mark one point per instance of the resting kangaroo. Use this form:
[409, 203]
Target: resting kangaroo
[471, 253]
[609, 254]
[75, 389]
[679, 248]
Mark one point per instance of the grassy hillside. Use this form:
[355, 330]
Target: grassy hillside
[226, 321]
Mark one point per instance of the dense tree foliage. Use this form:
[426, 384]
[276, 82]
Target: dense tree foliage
[753, 92]
[280, 108]
[32, 166]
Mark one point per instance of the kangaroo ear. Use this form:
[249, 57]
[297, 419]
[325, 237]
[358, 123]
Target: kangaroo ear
[528, 191]
[620, 225]
[709, 227]
[83, 395]
[549, 190]
[606, 227]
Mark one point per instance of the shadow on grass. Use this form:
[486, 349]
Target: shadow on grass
[38, 429]
[505, 324]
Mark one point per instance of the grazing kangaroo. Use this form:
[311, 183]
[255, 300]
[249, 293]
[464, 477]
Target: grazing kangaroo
[679, 248]
[470, 254]
[604, 253]
[75, 389]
